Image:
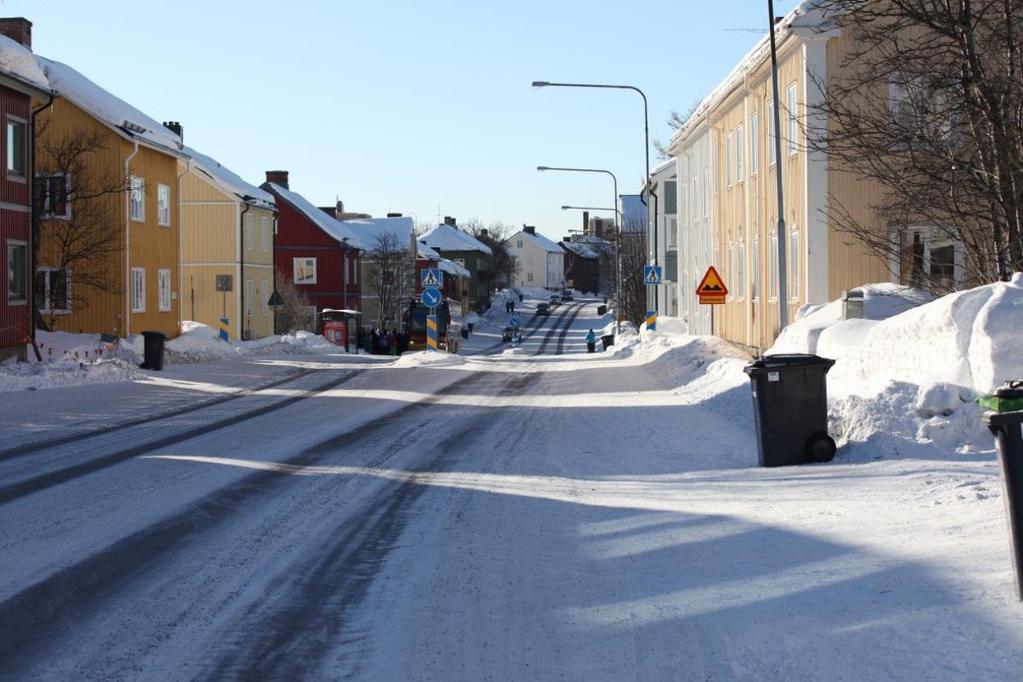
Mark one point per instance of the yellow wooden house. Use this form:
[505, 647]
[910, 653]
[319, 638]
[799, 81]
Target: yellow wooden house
[227, 248]
[107, 179]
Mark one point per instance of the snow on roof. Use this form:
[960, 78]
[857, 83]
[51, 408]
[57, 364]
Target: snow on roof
[448, 238]
[424, 251]
[105, 107]
[453, 268]
[809, 16]
[371, 230]
[18, 62]
[228, 181]
[581, 249]
[334, 228]
[539, 240]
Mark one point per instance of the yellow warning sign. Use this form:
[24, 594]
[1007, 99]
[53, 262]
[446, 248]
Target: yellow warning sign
[712, 289]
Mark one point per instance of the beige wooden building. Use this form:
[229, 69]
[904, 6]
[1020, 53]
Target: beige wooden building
[738, 193]
[227, 248]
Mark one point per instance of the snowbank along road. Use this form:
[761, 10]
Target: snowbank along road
[534, 513]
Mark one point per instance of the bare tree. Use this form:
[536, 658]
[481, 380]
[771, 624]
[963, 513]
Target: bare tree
[388, 274]
[296, 313]
[928, 103]
[495, 235]
[675, 122]
[78, 235]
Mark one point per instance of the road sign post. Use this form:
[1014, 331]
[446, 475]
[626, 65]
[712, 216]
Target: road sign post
[652, 275]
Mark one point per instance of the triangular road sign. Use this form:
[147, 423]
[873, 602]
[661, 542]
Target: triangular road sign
[712, 284]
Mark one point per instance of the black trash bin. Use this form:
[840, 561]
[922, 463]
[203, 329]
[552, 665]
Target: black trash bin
[602, 310]
[1008, 430]
[465, 333]
[790, 404]
[607, 341]
[153, 355]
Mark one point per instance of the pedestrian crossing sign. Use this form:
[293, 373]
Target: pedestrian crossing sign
[431, 277]
[651, 274]
[712, 289]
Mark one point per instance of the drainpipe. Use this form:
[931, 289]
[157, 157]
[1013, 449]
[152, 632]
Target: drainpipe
[181, 238]
[126, 327]
[241, 271]
[34, 222]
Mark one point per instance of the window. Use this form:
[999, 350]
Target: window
[163, 210]
[793, 264]
[740, 153]
[52, 291]
[772, 268]
[264, 296]
[348, 277]
[793, 121]
[755, 267]
[304, 270]
[730, 272]
[248, 297]
[740, 271]
[17, 271]
[519, 244]
[771, 149]
[705, 200]
[248, 231]
[16, 147]
[529, 277]
[754, 143]
[264, 234]
[164, 288]
[137, 193]
[729, 159]
[53, 193]
[355, 271]
[670, 193]
[671, 233]
[138, 290]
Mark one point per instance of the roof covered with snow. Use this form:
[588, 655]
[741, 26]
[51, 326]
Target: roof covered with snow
[581, 249]
[808, 17]
[18, 62]
[538, 240]
[227, 180]
[452, 268]
[334, 228]
[105, 107]
[449, 238]
[372, 230]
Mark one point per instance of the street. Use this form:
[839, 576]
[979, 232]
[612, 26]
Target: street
[532, 514]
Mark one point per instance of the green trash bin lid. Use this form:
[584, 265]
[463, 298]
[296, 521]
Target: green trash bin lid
[1006, 398]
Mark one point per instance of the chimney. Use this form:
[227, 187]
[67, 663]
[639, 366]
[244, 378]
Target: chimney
[529, 229]
[567, 239]
[393, 215]
[339, 207]
[278, 177]
[450, 220]
[484, 233]
[17, 29]
[175, 128]
[586, 222]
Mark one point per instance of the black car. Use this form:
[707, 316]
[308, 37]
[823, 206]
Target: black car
[543, 309]
[567, 296]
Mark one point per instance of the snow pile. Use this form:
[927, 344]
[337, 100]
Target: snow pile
[201, 343]
[68, 359]
[429, 359]
[907, 384]
[18, 61]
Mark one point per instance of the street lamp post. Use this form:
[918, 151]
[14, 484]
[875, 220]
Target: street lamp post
[618, 230]
[646, 145]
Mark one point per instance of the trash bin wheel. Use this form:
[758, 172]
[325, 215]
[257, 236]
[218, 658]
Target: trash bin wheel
[820, 447]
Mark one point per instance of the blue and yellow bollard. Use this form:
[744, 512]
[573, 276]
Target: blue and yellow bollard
[431, 332]
[651, 320]
[224, 336]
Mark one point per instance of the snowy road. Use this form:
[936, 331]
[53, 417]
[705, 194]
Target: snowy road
[538, 514]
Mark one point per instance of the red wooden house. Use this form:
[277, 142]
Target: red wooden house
[21, 80]
[319, 254]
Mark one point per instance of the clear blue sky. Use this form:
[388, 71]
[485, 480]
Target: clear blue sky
[412, 106]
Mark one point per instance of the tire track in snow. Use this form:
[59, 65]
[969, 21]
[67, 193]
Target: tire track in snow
[558, 328]
[47, 611]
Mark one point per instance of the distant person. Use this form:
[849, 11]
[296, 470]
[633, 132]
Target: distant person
[591, 342]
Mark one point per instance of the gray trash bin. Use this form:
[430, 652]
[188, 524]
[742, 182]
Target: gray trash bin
[1007, 427]
[790, 405]
[152, 357]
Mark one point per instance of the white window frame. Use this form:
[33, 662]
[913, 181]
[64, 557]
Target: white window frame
[264, 234]
[249, 293]
[163, 205]
[754, 143]
[44, 182]
[21, 299]
[730, 271]
[264, 296]
[772, 267]
[247, 230]
[791, 100]
[44, 305]
[740, 153]
[137, 198]
[138, 290]
[297, 263]
[771, 148]
[740, 270]
[12, 174]
[164, 290]
[792, 264]
[755, 266]
[729, 159]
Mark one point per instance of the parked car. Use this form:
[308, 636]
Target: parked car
[567, 296]
[554, 299]
[543, 309]
[507, 333]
